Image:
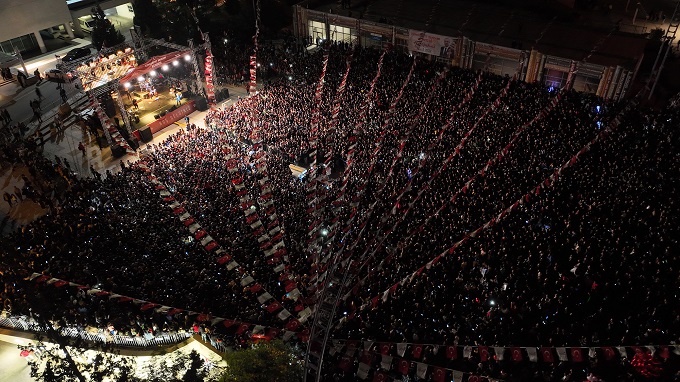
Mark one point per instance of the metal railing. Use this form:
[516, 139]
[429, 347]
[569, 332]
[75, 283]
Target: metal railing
[148, 340]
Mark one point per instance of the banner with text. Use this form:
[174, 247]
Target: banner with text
[434, 44]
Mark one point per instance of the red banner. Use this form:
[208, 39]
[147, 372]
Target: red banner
[172, 117]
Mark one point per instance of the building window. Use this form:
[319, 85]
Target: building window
[342, 34]
[23, 43]
[317, 32]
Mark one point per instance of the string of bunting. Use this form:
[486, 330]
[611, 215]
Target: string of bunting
[407, 358]
[267, 301]
[353, 137]
[209, 70]
[312, 184]
[275, 248]
[364, 176]
[265, 241]
[242, 327]
[494, 159]
[321, 260]
[548, 182]
[252, 87]
[112, 133]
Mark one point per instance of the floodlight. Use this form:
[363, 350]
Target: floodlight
[187, 57]
[140, 78]
[165, 67]
[153, 73]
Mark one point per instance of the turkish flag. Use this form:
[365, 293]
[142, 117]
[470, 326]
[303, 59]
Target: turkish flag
[384, 349]
[516, 354]
[417, 350]
[241, 329]
[439, 374]
[608, 353]
[473, 378]
[345, 363]
[484, 353]
[451, 352]
[256, 288]
[273, 332]
[547, 354]
[379, 376]
[292, 324]
[403, 366]
[223, 259]
[576, 354]
[366, 357]
[273, 307]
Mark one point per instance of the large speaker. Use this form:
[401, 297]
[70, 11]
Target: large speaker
[102, 142]
[117, 151]
[134, 143]
[201, 104]
[109, 107]
[146, 134]
[222, 95]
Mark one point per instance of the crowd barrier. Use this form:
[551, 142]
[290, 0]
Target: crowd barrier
[148, 340]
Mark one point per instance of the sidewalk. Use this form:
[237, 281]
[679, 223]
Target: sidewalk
[45, 61]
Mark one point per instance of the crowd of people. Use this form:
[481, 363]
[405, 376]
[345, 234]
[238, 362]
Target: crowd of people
[586, 260]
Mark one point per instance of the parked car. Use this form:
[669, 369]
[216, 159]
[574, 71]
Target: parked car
[75, 54]
[58, 75]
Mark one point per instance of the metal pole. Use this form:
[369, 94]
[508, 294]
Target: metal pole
[635, 15]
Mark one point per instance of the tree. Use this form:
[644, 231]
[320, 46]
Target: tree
[104, 34]
[232, 7]
[264, 362]
[147, 17]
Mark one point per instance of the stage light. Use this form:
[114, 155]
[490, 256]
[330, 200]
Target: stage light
[165, 67]
[492, 302]
[324, 232]
[290, 78]
[187, 57]
[271, 64]
[258, 64]
[153, 73]
[127, 85]
[175, 62]
[140, 78]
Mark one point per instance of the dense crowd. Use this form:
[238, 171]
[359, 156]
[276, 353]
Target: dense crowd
[588, 260]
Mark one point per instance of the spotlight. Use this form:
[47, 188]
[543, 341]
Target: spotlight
[140, 78]
[175, 62]
[187, 57]
[165, 67]
[290, 78]
[258, 64]
[324, 232]
[153, 73]
[492, 302]
[127, 85]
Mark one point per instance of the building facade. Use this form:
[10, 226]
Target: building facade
[26, 23]
[608, 75]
